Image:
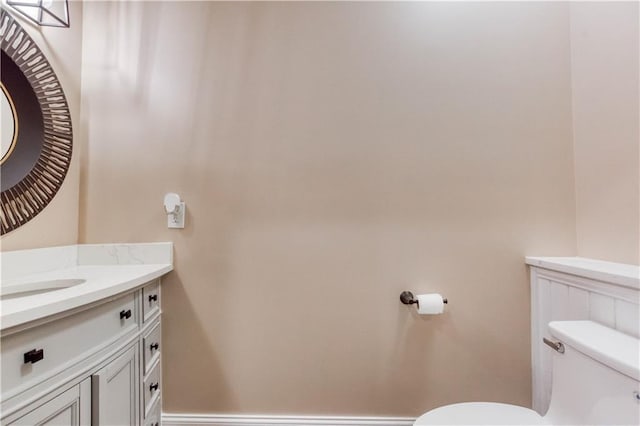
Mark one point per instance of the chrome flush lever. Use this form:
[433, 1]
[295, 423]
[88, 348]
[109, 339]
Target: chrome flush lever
[556, 346]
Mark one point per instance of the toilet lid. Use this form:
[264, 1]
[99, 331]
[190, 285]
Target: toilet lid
[480, 413]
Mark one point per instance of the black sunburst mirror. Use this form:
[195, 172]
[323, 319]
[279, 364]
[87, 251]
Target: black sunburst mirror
[36, 128]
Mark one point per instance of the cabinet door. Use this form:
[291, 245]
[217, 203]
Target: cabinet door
[70, 408]
[115, 391]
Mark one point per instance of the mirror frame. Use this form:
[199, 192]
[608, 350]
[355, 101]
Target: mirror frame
[23, 201]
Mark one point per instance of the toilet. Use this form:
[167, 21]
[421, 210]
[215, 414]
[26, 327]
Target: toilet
[596, 381]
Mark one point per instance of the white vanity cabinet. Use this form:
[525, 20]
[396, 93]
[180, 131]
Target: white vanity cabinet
[151, 356]
[70, 407]
[97, 365]
[114, 391]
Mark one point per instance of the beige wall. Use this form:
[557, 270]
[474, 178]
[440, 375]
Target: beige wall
[57, 224]
[332, 155]
[605, 75]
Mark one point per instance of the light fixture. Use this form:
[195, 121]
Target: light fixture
[48, 13]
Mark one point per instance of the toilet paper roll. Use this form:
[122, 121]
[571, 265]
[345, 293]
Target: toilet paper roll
[430, 304]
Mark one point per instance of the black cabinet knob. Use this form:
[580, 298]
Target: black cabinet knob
[125, 314]
[33, 356]
[153, 298]
[154, 346]
[153, 387]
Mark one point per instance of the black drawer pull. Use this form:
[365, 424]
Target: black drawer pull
[125, 314]
[33, 356]
[153, 298]
[153, 387]
[154, 346]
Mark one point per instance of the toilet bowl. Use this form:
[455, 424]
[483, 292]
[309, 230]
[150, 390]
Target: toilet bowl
[596, 381]
[481, 413]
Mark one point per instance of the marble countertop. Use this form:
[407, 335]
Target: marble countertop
[109, 270]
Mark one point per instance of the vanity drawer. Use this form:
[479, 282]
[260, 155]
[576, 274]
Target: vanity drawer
[153, 417]
[151, 389]
[32, 355]
[150, 300]
[152, 347]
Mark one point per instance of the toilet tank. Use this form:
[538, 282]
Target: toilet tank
[575, 289]
[597, 378]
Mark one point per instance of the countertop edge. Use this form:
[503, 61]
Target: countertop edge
[24, 317]
[605, 271]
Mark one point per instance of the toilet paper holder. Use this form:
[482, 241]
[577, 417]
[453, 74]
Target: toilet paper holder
[407, 298]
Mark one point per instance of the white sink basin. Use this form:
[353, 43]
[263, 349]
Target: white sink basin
[13, 291]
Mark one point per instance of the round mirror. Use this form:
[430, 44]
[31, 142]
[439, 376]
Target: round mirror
[27, 146]
[36, 132]
[8, 125]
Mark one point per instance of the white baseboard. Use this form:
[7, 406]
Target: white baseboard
[169, 419]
